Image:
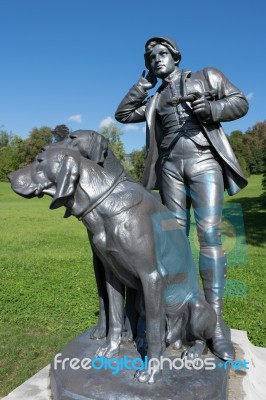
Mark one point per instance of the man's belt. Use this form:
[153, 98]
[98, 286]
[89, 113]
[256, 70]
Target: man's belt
[171, 140]
[186, 129]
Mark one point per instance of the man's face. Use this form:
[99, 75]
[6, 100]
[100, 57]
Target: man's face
[161, 61]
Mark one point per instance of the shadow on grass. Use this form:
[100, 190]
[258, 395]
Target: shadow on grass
[254, 212]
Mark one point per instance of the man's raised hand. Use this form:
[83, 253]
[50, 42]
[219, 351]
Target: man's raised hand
[147, 82]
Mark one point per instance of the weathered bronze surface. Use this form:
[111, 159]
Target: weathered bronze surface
[189, 158]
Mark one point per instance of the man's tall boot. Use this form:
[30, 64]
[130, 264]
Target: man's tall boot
[213, 275]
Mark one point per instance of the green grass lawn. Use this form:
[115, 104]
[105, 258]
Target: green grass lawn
[247, 312]
[48, 294]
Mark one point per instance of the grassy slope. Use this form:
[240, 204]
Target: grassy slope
[48, 293]
[247, 312]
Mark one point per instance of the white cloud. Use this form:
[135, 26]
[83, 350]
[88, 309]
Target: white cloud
[250, 96]
[106, 122]
[75, 118]
[131, 127]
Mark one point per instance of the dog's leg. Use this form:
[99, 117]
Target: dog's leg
[116, 294]
[202, 322]
[101, 329]
[131, 316]
[155, 325]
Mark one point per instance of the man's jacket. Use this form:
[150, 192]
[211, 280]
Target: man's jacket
[227, 104]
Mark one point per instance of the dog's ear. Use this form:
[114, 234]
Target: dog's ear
[99, 149]
[93, 145]
[66, 181]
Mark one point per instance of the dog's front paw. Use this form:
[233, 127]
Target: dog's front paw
[148, 376]
[195, 351]
[109, 349]
[177, 345]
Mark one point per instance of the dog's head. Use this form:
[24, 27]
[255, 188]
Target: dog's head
[88, 143]
[57, 172]
[41, 176]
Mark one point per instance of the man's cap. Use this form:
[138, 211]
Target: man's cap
[160, 39]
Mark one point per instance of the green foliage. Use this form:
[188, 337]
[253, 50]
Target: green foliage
[113, 134]
[16, 152]
[5, 138]
[8, 161]
[263, 183]
[9, 154]
[33, 145]
[250, 148]
[242, 151]
[137, 159]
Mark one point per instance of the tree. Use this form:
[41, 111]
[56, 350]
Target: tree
[113, 134]
[9, 154]
[250, 148]
[264, 177]
[256, 140]
[33, 145]
[8, 161]
[4, 138]
[241, 150]
[137, 159]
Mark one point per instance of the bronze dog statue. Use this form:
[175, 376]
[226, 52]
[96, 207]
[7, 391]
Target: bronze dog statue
[139, 243]
[94, 146]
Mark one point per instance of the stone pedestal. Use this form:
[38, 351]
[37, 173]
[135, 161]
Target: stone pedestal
[68, 383]
[243, 385]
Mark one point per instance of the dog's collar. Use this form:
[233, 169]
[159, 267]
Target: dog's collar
[122, 177]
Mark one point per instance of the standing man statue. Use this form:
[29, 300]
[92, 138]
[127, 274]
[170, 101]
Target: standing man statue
[189, 158]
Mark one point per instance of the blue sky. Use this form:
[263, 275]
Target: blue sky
[72, 61]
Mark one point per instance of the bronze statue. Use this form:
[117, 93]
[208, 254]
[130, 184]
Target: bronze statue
[94, 146]
[137, 240]
[189, 158]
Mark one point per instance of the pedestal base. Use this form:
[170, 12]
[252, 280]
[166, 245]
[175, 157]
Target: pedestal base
[81, 384]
